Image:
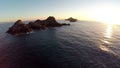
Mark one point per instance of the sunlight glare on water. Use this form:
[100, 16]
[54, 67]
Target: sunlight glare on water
[106, 42]
[108, 33]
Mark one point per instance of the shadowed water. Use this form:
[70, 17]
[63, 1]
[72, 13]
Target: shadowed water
[81, 45]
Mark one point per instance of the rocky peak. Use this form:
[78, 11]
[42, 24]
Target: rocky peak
[18, 22]
[51, 19]
[37, 21]
[20, 28]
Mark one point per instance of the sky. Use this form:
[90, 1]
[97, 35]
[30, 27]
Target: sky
[12, 10]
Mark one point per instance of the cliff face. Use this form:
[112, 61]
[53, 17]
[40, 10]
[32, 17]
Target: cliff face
[51, 22]
[37, 25]
[20, 28]
[42, 24]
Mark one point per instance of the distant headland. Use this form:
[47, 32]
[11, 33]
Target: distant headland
[21, 28]
[71, 19]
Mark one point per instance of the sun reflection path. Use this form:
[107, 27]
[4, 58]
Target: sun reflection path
[106, 41]
[108, 33]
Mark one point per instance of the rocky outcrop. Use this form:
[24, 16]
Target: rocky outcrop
[65, 24]
[71, 19]
[51, 22]
[19, 28]
[37, 25]
[43, 24]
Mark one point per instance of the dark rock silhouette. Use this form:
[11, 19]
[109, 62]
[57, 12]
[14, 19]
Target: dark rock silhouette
[43, 24]
[37, 25]
[51, 22]
[19, 28]
[65, 24]
[71, 19]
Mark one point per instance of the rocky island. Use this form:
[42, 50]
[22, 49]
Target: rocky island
[71, 19]
[21, 28]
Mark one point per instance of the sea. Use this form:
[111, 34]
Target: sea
[83, 44]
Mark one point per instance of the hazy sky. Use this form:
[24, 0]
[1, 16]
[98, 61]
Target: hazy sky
[33, 9]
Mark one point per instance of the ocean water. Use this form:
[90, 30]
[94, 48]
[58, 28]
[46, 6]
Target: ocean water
[81, 45]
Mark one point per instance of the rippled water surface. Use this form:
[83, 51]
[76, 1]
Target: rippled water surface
[81, 45]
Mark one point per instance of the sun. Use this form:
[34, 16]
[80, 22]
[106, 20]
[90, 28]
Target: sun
[106, 13]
